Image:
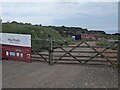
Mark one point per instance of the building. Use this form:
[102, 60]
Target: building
[15, 47]
[76, 37]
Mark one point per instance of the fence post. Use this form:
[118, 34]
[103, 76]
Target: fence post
[118, 52]
[51, 52]
[118, 58]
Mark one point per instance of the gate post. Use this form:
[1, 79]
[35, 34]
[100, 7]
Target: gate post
[51, 52]
[118, 54]
[118, 58]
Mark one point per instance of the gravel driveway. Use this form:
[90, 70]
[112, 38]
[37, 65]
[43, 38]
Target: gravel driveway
[41, 75]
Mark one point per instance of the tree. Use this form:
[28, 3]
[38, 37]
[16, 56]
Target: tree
[14, 22]
[63, 26]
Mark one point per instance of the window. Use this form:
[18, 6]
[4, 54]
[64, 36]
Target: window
[12, 53]
[28, 55]
[17, 54]
[7, 53]
[21, 55]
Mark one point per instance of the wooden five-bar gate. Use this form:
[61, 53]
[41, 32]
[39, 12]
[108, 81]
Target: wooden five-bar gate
[85, 52]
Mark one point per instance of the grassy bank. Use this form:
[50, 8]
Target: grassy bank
[106, 43]
[37, 32]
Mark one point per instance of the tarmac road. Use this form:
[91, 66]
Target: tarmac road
[41, 75]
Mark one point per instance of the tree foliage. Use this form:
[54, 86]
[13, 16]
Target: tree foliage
[37, 32]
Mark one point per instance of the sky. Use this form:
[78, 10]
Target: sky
[91, 15]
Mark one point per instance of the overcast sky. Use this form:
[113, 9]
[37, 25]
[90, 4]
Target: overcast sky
[91, 15]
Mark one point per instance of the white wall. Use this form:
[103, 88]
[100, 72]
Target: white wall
[15, 39]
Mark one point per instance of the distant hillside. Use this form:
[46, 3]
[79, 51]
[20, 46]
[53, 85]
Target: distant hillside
[45, 32]
[66, 31]
[36, 32]
[96, 32]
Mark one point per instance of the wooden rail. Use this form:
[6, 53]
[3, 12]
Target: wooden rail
[83, 53]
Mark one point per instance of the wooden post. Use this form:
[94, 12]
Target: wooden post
[118, 52]
[51, 52]
[119, 46]
[118, 55]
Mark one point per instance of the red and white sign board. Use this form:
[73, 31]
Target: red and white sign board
[16, 47]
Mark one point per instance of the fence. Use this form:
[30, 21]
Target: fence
[84, 52]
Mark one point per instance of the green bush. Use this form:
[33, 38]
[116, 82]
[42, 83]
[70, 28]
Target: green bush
[105, 43]
[37, 32]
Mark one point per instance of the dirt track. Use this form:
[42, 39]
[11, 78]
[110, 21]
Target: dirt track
[41, 75]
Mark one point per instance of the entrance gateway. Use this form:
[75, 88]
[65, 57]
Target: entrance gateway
[15, 47]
